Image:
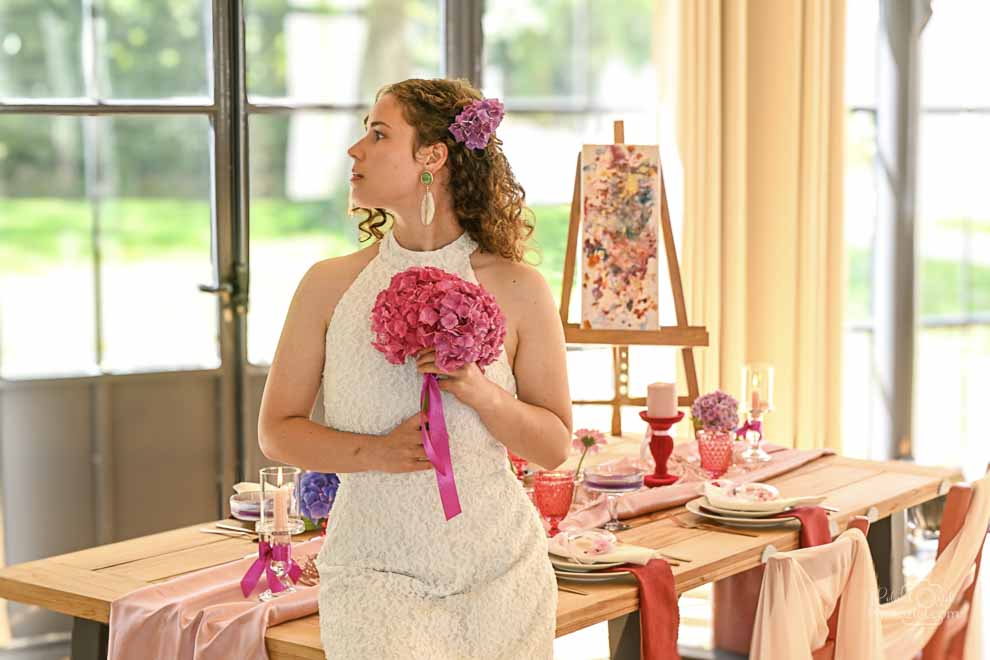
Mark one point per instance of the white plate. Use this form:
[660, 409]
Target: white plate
[694, 506]
[733, 513]
[591, 577]
[584, 568]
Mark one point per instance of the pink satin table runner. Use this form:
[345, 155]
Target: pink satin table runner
[593, 512]
[204, 615]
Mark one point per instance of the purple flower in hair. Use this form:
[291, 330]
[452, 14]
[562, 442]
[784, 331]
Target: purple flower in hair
[476, 123]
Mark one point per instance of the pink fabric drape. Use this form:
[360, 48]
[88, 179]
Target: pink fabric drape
[204, 615]
[800, 590]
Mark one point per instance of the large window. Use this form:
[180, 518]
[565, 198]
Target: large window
[105, 215]
[952, 244]
[953, 344]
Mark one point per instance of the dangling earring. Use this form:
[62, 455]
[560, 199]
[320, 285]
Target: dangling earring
[427, 208]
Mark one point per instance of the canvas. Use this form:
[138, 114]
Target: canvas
[620, 214]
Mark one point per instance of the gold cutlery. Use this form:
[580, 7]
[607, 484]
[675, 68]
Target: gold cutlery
[572, 591]
[221, 532]
[667, 555]
[235, 528]
[712, 528]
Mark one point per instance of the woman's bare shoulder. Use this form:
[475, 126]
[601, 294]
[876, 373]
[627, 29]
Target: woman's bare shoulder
[327, 280]
[516, 283]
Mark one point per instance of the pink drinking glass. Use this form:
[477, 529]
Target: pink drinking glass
[518, 465]
[552, 493]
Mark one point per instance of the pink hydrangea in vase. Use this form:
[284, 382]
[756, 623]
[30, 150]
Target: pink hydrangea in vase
[715, 416]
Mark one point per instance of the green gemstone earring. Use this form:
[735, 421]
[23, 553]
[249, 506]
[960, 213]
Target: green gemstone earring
[427, 207]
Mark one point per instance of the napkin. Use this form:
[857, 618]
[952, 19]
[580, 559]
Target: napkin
[659, 617]
[723, 498]
[579, 552]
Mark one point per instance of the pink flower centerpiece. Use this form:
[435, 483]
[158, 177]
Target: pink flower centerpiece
[427, 307]
[715, 415]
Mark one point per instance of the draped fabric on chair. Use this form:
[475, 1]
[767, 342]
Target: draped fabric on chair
[801, 588]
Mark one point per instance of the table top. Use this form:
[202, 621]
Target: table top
[83, 584]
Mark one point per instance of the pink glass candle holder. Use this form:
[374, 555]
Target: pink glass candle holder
[661, 446]
[552, 493]
[715, 449]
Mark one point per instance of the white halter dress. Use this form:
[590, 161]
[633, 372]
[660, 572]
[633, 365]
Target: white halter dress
[397, 580]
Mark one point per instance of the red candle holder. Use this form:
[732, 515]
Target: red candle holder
[661, 446]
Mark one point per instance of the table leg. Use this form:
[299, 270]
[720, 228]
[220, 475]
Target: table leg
[623, 637]
[888, 543]
[89, 639]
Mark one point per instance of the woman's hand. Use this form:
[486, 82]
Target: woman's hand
[468, 384]
[401, 450]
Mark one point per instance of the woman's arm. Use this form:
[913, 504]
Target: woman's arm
[285, 432]
[537, 424]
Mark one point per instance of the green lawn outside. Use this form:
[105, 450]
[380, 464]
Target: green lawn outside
[36, 234]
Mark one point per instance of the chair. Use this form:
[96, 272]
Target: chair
[810, 596]
[734, 607]
[827, 651]
[948, 641]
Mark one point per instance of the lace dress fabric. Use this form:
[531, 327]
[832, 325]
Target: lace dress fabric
[397, 580]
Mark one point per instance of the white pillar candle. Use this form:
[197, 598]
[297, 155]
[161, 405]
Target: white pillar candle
[282, 509]
[661, 400]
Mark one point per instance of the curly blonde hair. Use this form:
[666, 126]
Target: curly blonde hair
[488, 201]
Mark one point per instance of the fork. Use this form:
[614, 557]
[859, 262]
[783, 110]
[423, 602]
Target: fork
[711, 528]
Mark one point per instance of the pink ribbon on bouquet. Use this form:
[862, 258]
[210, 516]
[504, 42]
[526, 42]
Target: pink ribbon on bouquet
[436, 442]
[750, 425]
[263, 564]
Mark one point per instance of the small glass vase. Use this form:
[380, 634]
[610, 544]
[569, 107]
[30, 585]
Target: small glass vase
[715, 450]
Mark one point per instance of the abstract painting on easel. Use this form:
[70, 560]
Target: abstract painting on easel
[620, 225]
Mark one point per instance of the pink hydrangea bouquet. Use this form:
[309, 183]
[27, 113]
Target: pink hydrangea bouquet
[427, 307]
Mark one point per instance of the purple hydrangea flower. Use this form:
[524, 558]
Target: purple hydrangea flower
[316, 494]
[476, 123]
[716, 411]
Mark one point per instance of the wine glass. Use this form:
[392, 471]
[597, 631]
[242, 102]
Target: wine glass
[613, 483]
[552, 493]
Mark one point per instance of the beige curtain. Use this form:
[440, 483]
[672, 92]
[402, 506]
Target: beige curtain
[760, 116]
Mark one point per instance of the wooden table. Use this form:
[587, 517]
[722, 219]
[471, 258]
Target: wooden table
[83, 584]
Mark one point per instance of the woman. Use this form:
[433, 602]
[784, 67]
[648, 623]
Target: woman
[397, 579]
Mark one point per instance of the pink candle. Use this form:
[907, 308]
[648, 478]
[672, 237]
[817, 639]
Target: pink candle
[281, 509]
[661, 400]
[754, 403]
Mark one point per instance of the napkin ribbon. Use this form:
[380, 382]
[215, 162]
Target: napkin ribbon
[263, 564]
[750, 425]
[436, 442]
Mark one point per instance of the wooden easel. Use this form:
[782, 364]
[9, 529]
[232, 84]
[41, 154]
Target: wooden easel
[683, 335]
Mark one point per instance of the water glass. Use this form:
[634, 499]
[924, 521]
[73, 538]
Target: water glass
[552, 493]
